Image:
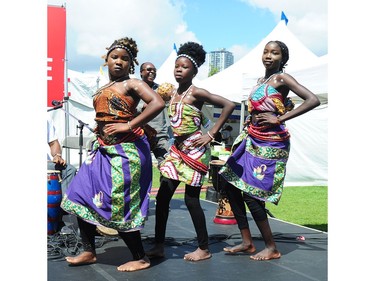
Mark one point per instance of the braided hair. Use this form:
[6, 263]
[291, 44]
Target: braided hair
[127, 44]
[194, 52]
[284, 53]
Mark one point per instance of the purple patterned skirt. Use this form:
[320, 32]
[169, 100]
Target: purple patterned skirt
[112, 186]
[258, 167]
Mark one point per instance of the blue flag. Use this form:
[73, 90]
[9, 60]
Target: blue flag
[283, 17]
[174, 47]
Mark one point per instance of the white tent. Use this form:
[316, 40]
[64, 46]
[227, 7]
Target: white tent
[308, 157]
[165, 71]
[234, 81]
[81, 87]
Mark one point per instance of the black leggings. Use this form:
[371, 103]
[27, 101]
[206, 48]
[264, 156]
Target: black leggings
[192, 202]
[237, 200]
[132, 239]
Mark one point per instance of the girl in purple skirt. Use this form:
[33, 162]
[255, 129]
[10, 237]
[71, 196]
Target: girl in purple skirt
[112, 186]
[255, 172]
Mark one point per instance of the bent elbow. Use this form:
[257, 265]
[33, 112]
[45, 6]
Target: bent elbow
[161, 106]
[317, 102]
[157, 105]
[232, 106]
[313, 101]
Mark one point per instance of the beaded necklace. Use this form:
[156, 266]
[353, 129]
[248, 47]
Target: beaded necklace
[182, 97]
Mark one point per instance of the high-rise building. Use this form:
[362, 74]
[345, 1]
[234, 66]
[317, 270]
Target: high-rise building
[220, 59]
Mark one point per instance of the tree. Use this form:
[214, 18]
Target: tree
[213, 71]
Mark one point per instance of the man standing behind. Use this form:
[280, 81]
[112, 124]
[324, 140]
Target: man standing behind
[226, 134]
[55, 162]
[54, 157]
[160, 143]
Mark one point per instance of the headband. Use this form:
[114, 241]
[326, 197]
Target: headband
[190, 58]
[122, 47]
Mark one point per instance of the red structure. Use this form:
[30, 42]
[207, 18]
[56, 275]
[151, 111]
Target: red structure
[56, 40]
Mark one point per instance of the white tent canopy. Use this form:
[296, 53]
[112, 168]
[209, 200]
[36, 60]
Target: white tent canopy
[81, 87]
[234, 81]
[307, 163]
[165, 71]
[308, 157]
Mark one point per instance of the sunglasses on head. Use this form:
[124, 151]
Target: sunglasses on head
[149, 69]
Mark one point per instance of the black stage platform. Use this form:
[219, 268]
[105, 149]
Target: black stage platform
[301, 259]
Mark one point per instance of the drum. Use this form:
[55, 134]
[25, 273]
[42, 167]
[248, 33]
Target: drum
[224, 214]
[217, 180]
[54, 197]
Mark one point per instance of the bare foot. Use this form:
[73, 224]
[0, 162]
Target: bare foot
[241, 248]
[135, 265]
[83, 258]
[266, 254]
[156, 252]
[198, 255]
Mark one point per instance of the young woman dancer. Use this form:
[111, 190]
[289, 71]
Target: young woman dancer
[256, 169]
[112, 186]
[189, 156]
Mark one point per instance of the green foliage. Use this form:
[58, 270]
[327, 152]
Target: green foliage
[213, 71]
[303, 205]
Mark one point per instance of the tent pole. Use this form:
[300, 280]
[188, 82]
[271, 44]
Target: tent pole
[66, 96]
[242, 118]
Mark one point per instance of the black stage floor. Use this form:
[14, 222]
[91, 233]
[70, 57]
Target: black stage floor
[301, 259]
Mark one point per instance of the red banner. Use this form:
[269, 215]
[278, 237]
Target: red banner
[56, 40]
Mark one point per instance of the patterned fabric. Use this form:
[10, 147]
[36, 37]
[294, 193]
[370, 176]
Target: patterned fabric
[112, 186]
[186, 119]
[113, 107]
[257, 165]
[186, 163]
[191, 162]
[266, 98]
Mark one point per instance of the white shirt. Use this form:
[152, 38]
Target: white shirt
[51, 135]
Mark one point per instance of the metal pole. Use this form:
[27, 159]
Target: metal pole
[242, 118]
[66, 94]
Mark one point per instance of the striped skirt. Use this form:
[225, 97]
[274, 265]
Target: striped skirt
[112, 186]
[186, 163]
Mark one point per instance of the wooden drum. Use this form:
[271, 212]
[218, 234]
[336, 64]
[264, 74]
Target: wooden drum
[224, 214]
